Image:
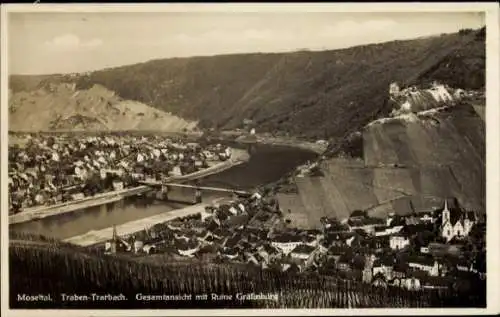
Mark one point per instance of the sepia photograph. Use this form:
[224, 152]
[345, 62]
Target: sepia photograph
[247, 157]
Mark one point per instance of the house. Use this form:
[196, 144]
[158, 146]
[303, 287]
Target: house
[286, 242]
[77, 196]
[399, 241]
[386, 230]
[138, 246]
[377, 244]
[424, 263]
[400, 269]
[379, 280]
[344, 263]
[366, 224]
[187, 248]
[229, 253]
[408, 283]
[312, 240]
[302, 252]
[324, 245]
[412, 219]
[149, 249]
[267, 252]
[426, 217]
[479, 265]
[181, 236]
[351, 238]
[232, 241]
[455, 222]
[118, 185]
[256, 259]
[384, 266]
[390, 219]
[464, 265]
[435, 282]
[334, 226]
[205, 237]
[291, 268]
[412, 230]
[176, 171]
[425, 250]
[368, 269]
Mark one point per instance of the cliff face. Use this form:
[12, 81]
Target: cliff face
[431, 147]
[310, 94]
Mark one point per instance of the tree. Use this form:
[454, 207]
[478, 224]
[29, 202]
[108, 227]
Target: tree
[423, 238]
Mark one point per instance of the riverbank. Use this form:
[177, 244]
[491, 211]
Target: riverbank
[35, 213]
[318, 148]
[238, 156]
[100, 236]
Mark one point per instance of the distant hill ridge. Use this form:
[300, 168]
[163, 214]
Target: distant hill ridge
[310, 94]
[60, 106]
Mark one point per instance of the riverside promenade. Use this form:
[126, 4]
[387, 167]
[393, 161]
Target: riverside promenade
[99, 236]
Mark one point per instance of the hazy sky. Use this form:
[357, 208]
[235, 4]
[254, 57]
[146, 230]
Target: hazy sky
[41, 43]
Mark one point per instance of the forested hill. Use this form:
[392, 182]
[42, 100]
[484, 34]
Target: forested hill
[303, 93]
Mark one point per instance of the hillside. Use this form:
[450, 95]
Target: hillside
[303, 93]
[431, 147]
[60, 106]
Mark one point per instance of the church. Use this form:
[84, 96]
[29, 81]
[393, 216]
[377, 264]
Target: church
[455, 221]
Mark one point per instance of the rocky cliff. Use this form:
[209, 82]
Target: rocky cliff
[431, 147]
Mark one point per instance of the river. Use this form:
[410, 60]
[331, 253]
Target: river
[267, 164]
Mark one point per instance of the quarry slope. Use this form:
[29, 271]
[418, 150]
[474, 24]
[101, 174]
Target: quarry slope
[409, 161]
[308, 94]
[62, 107]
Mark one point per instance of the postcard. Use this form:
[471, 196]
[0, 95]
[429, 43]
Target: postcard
[250, 159]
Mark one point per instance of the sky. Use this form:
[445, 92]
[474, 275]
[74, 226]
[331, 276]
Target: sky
[48, 43]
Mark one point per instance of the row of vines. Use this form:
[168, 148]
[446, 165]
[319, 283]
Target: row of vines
[57, 270]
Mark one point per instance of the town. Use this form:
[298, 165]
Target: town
[46, 170]
[439, 249]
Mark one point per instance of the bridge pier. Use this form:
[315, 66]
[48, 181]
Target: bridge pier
[197, 196]
[250, 148]
[164, 191]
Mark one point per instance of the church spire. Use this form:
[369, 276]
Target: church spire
[114, 233]
[446, 204]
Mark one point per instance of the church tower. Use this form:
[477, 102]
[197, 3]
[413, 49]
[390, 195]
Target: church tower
[446, 212]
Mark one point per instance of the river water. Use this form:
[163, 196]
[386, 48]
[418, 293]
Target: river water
[266, 164]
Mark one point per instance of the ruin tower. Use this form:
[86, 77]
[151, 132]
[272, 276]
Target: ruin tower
[394, 89]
